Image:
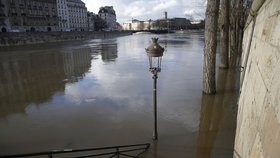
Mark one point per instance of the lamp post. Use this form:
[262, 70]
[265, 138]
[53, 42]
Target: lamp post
[155, 53]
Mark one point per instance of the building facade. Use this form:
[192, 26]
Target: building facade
[53, 15]
[179, 24]
[91, 19]
[108, 14]
[134, 24]
[4, 20]
[148, 24]
[160, 24]
[77, 15]
[63, 15]
[127, 25]
[28, 15]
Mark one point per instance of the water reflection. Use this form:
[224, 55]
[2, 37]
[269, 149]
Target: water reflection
[34, 75]
[107, 48]
[28, 78]
[109, 52]
[99, 93]
[217, 118]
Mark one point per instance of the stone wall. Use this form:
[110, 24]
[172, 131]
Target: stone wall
[258, 120]
[21, 38]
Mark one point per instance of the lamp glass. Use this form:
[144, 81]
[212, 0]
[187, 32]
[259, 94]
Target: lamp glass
[155, 63]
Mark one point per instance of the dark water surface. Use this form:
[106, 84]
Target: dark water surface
[99, 93]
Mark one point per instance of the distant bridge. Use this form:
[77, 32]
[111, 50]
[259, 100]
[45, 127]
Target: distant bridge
[153, 31]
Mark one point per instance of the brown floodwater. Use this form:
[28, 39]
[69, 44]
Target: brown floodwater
[99, 93]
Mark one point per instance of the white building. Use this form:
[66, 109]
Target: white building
[77, 15]
[148, 24]
[137, 25]
[63, 15]
[108, 14]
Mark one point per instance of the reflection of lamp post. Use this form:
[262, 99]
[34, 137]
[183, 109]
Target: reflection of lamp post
[155, 53]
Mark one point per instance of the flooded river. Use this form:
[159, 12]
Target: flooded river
[100, 93]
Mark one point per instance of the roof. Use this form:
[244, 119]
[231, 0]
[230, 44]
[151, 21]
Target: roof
[76, 1]
[107, 9]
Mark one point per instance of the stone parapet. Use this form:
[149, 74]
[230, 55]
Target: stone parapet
[22, 38]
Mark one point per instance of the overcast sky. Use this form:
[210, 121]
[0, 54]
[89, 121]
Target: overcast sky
[150, 9]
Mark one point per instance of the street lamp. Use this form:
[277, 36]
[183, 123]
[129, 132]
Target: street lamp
[155, 53]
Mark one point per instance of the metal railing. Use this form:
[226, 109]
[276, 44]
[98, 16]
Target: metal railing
[135, 151]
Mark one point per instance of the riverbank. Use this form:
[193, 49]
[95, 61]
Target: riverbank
[22, 38]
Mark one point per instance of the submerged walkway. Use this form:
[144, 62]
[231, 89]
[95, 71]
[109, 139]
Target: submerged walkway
[215, 138]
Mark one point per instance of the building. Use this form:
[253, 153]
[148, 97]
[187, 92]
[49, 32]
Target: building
[165, 15]
[28, 15]
[108, 14]
[137, 25]
[119, 26]
[148, 24]
[134, 24]
[127, 25]
[4, 20]
[159, 24]
[179, 24]
[91, 20]
[53, 15]
[162, 24]
[63, 15]
[77, 15]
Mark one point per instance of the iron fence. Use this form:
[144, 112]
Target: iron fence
[135, 151]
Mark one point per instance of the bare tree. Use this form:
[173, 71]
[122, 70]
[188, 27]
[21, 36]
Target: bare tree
[224, 26]
[209, 67]
[100, 24]
[237, 18]
[232, 27]
[239, 27]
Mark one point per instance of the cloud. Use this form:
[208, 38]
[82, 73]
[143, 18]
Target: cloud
[195, 10]
[142, 9]
[150, 9]
[135, 9]
[164, 5]
[194, 14]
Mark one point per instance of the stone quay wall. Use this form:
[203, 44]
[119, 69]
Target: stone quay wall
[258, 120]
[22, 38]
